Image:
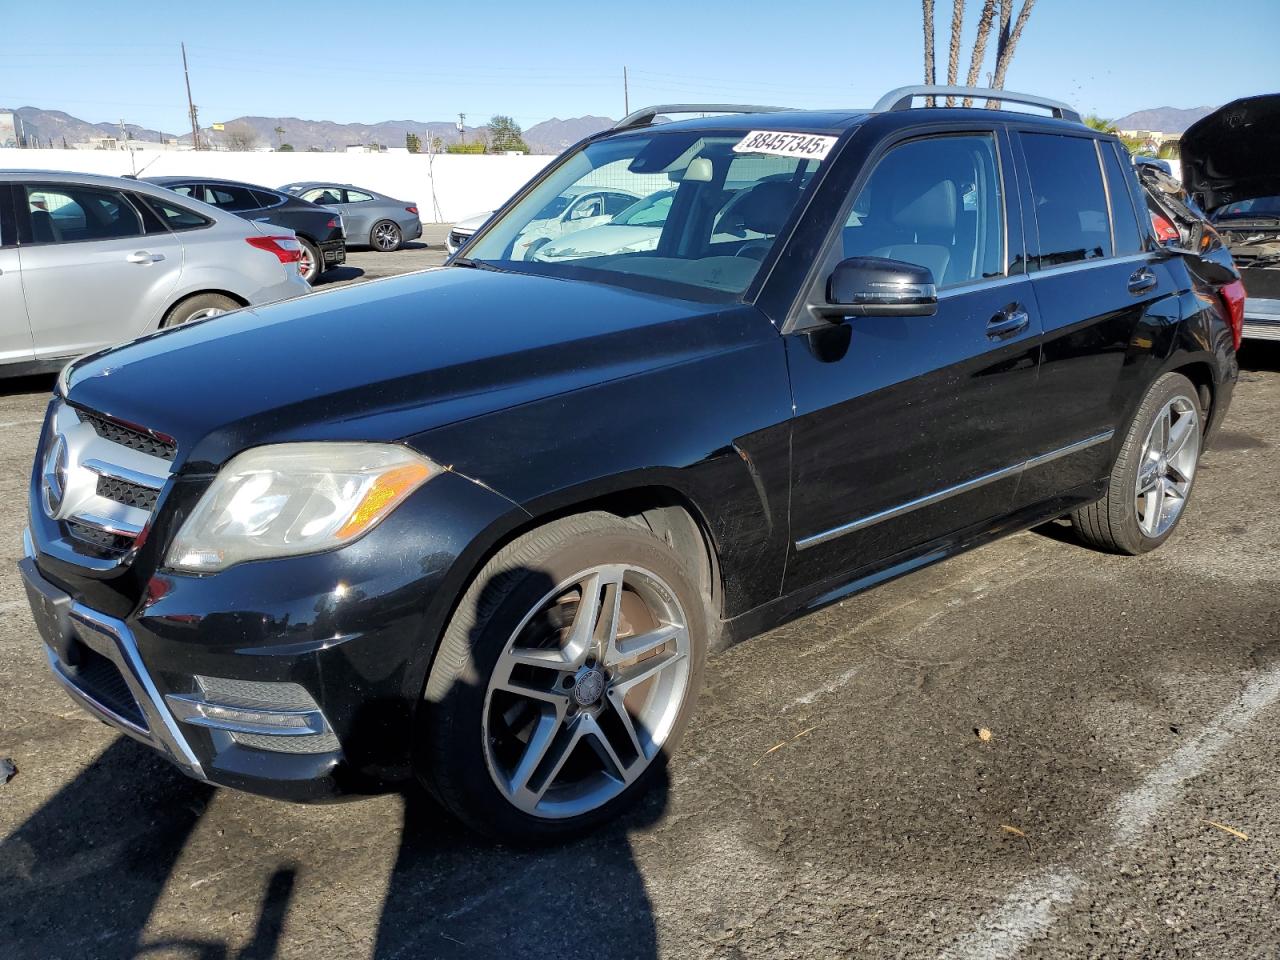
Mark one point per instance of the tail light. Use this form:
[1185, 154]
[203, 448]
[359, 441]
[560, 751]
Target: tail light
[1233, 297]
[1165, 231]
[411, 209]
[286, 249]
[333, 223]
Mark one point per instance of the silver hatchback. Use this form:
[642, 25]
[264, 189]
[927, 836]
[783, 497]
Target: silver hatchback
[89, 261]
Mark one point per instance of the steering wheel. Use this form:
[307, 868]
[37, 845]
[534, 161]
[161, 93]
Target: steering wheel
[755, 249]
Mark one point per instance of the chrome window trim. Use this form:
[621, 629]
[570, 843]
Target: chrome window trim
[947, 492]
[1145, 256]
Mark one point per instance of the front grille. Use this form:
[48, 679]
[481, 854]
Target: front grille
[97, 537]
[458, 239]
[130, 494]
[117, 432]
[101, 681]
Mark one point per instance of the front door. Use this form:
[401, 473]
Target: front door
[909, 429]
[92, 274]
[15, 331]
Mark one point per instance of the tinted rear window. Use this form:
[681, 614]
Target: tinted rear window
[1070, 203]
[1128, 236]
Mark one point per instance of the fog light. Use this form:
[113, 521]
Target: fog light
[250, 707]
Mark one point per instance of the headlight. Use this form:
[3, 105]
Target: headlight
[294, 498]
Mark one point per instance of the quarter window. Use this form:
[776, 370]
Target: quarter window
[66, 214]
[230, 198]
[936, 203]
[177, 218]
[1124, 222]
[1067, 196]
[355, 196]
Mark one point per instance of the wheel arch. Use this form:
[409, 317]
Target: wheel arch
[191, 294]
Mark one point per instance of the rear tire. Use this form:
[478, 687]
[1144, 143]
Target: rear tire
[588, 707]
[386, 236]
[200, 307]
[312, 264]
[1153, 474]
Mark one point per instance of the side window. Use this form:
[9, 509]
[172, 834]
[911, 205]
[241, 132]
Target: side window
[355, 196]
[1070, 204]
[191, 190]
[323, 195]
[177, 218]
[937, 203]
[68, 214]
[1124, 222]
[615, 203]
[267, 199]
[230, 198]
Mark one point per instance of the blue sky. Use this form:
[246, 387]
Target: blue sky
[429, 61]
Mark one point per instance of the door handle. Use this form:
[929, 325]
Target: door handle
[1012, 319]
[1142, 281]
[143, 257]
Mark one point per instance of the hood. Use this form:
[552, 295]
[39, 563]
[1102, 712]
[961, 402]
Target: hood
[600, 240]
[1231, 154]
[388, 359]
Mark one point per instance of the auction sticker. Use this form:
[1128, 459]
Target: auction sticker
[808, 146]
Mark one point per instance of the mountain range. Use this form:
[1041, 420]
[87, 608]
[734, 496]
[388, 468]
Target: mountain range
[1162, 119]
[53, 127]
[548, 137]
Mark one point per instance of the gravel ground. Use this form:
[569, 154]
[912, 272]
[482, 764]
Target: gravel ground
[833, 796]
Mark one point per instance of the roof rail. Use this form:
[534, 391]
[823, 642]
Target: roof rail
[646, 115]
[901, 98]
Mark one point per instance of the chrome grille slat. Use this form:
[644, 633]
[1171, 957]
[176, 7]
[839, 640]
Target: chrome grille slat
[117, 432]
[109, 483]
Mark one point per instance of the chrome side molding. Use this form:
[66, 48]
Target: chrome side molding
[947, 492]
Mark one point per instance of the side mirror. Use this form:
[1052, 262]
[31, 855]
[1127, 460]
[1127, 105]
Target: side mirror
[876, 287]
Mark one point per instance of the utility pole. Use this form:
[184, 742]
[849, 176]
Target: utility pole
[462, 126]
[191, 107]
[626, 96]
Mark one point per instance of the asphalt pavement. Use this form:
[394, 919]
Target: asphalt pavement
[1032, 750]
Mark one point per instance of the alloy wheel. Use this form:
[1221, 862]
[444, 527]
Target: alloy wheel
[386, 236]
[1167, 466]
[205, 314]
[586, 691]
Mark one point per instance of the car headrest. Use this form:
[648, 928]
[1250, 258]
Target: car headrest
[914, 206]
[766, 206]
[42, 226]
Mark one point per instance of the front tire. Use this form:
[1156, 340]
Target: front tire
[565, 677]
[1153, 474]
[385, 237]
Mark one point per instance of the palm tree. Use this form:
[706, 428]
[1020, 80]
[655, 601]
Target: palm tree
[953, 58]
[985, 20]
[279, 136]
[929, 75]
[1101, 124]
[1009, 40]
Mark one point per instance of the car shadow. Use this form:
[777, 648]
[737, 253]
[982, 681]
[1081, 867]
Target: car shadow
[83, 875]
[339, 275]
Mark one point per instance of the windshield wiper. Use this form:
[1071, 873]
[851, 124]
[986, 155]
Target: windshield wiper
[473, 264]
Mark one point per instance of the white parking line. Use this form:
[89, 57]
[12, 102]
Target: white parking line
[1027, 912]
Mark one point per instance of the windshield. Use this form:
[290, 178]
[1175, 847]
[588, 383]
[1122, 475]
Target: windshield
[714, 205]
[1268, 207]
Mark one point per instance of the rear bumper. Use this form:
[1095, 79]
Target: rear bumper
[333, 252]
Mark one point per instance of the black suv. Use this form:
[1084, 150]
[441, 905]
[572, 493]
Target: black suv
[483, 524]
[320, 231]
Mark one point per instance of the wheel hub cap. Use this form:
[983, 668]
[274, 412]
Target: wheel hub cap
[589, 687]
[1167, 466]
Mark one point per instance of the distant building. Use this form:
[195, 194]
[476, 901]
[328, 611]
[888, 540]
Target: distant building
[116, 143]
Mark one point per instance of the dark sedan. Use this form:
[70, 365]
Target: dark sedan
[320, 231]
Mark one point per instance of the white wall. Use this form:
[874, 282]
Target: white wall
[464, 184]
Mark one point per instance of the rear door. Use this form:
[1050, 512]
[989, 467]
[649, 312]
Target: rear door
[15, 331]
[1103, 298]
[910, 429]
[92, 274]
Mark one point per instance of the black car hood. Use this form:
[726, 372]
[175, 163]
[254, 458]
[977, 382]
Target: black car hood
[1232, 153]
[389, 359]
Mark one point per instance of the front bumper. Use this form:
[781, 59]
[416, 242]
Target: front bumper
[1261, 319]
[210, 671]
